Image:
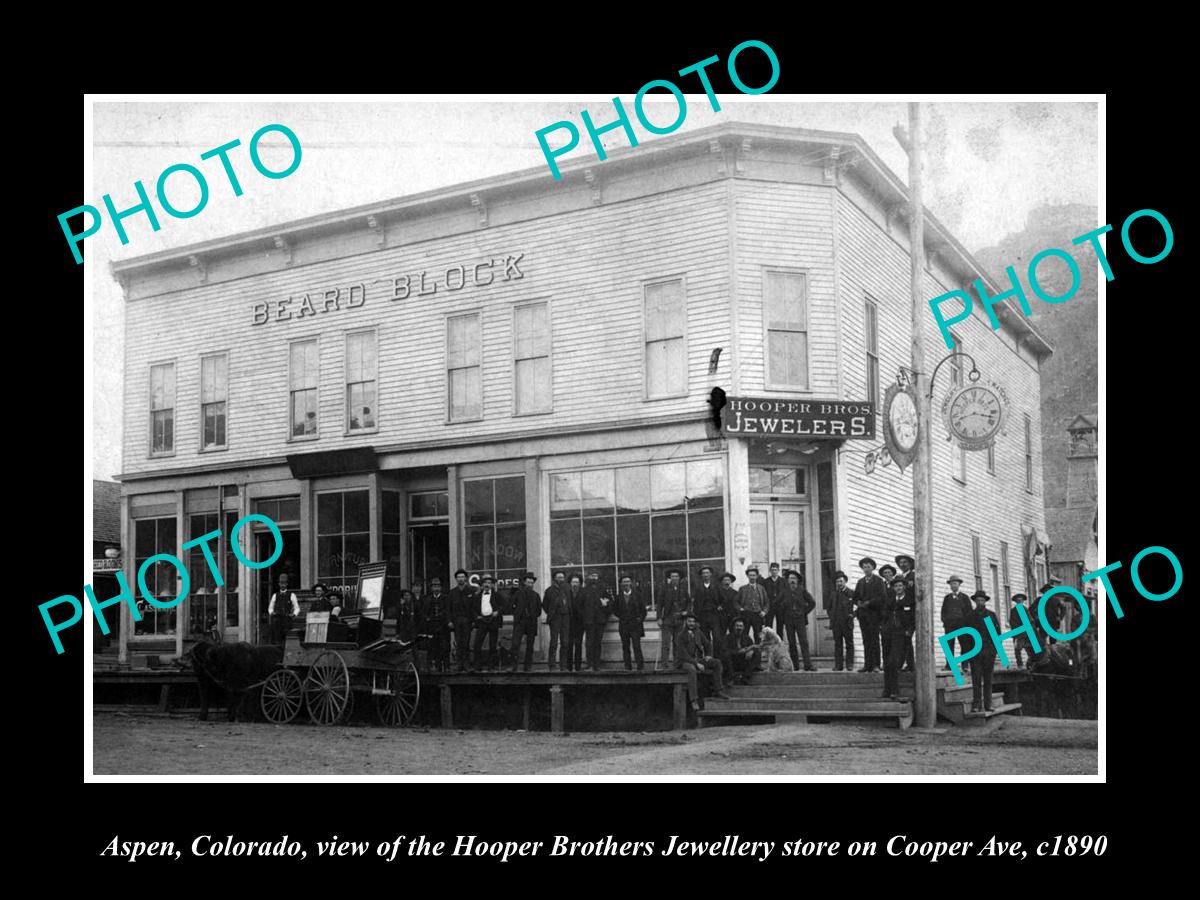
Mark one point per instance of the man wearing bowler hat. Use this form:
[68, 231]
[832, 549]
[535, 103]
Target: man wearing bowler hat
[754, 603]
[870, 596]
[694, 653]
[898, 619]
[729, 607]
[435, 621]
[706, 601]
[673, 604]
[631, 616]
[597, 606]
[907, 572]
[1021, 644]
[556, 604]
[888, 573]
[462, 614]
[841, 621]
[956, 606]
[774, 585]
[577, 622]
[983, 661]
[526, 609]
[488, 619]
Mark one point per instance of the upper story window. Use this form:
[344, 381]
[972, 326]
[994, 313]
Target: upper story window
[666, 342]
[785, 311]
[361, 383]
[162, 408]
[532, 388]
[214, 392]
[303, 377]
[871, 333]
[463, 376]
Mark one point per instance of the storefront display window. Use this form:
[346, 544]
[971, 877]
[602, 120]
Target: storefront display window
[494, 514]
[639, 520]
[151, 537]
[343, 539]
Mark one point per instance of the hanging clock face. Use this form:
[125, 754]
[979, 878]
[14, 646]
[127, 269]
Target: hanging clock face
[903, 423]
[974, 415]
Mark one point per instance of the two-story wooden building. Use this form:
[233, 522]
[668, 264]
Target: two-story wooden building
[514, 373]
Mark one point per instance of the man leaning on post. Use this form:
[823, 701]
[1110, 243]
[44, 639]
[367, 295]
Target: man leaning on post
[694, 654]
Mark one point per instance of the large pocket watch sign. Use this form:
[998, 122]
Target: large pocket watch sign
[975, 414]
[901, 423]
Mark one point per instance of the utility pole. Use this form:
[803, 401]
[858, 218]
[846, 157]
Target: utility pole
[926, 687]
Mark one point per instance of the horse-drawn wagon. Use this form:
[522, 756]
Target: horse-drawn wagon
[327, 661]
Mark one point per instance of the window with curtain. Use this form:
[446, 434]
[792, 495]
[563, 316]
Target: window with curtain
[303, 378]
[361, 384]
[213, 395]
[532, 390]
[639, 521]
[463, 370]
[666, 326]
[162, 408]
[785, 308]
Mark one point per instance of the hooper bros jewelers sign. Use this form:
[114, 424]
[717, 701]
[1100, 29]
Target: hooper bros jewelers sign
[799, 418]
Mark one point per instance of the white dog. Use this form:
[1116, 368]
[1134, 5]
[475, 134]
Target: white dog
[775, 654]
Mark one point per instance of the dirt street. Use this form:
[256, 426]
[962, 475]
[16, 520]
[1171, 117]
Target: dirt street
[143, 743]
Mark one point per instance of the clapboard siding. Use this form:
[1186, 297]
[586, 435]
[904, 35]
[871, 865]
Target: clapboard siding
[590, 265]
[787, 226]
[878, 507]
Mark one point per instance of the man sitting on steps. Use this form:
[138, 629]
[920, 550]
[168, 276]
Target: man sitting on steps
[693, 654]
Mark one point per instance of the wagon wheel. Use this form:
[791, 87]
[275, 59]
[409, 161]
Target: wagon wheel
[327, 688]
[282, 696]
[399, 707]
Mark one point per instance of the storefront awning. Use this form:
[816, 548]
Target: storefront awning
[333, 462]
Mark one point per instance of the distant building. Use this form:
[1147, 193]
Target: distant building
[1072, 525]
[106, 551]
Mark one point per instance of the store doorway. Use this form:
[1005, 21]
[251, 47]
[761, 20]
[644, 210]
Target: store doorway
[429, 554]
[781, 532]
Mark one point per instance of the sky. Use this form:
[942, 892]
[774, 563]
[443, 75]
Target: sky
[988, 164]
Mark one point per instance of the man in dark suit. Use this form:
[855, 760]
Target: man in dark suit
[898, 614]
[888, 573]
[489, 617]
[795, 605]
[908, 573]
[631, 617]
[1021, 644]
[774, 586]
[742, 657]
[841, 621]
[673, 604]
[983, 661]
[526, 610]
[578, 622]
[693, 651]
[556, 604]
[706, 602]
[597, 606]
[752, 598]
[435, 621]
[462, 613]
[870, 596]
[729, 607]
[956, 606]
